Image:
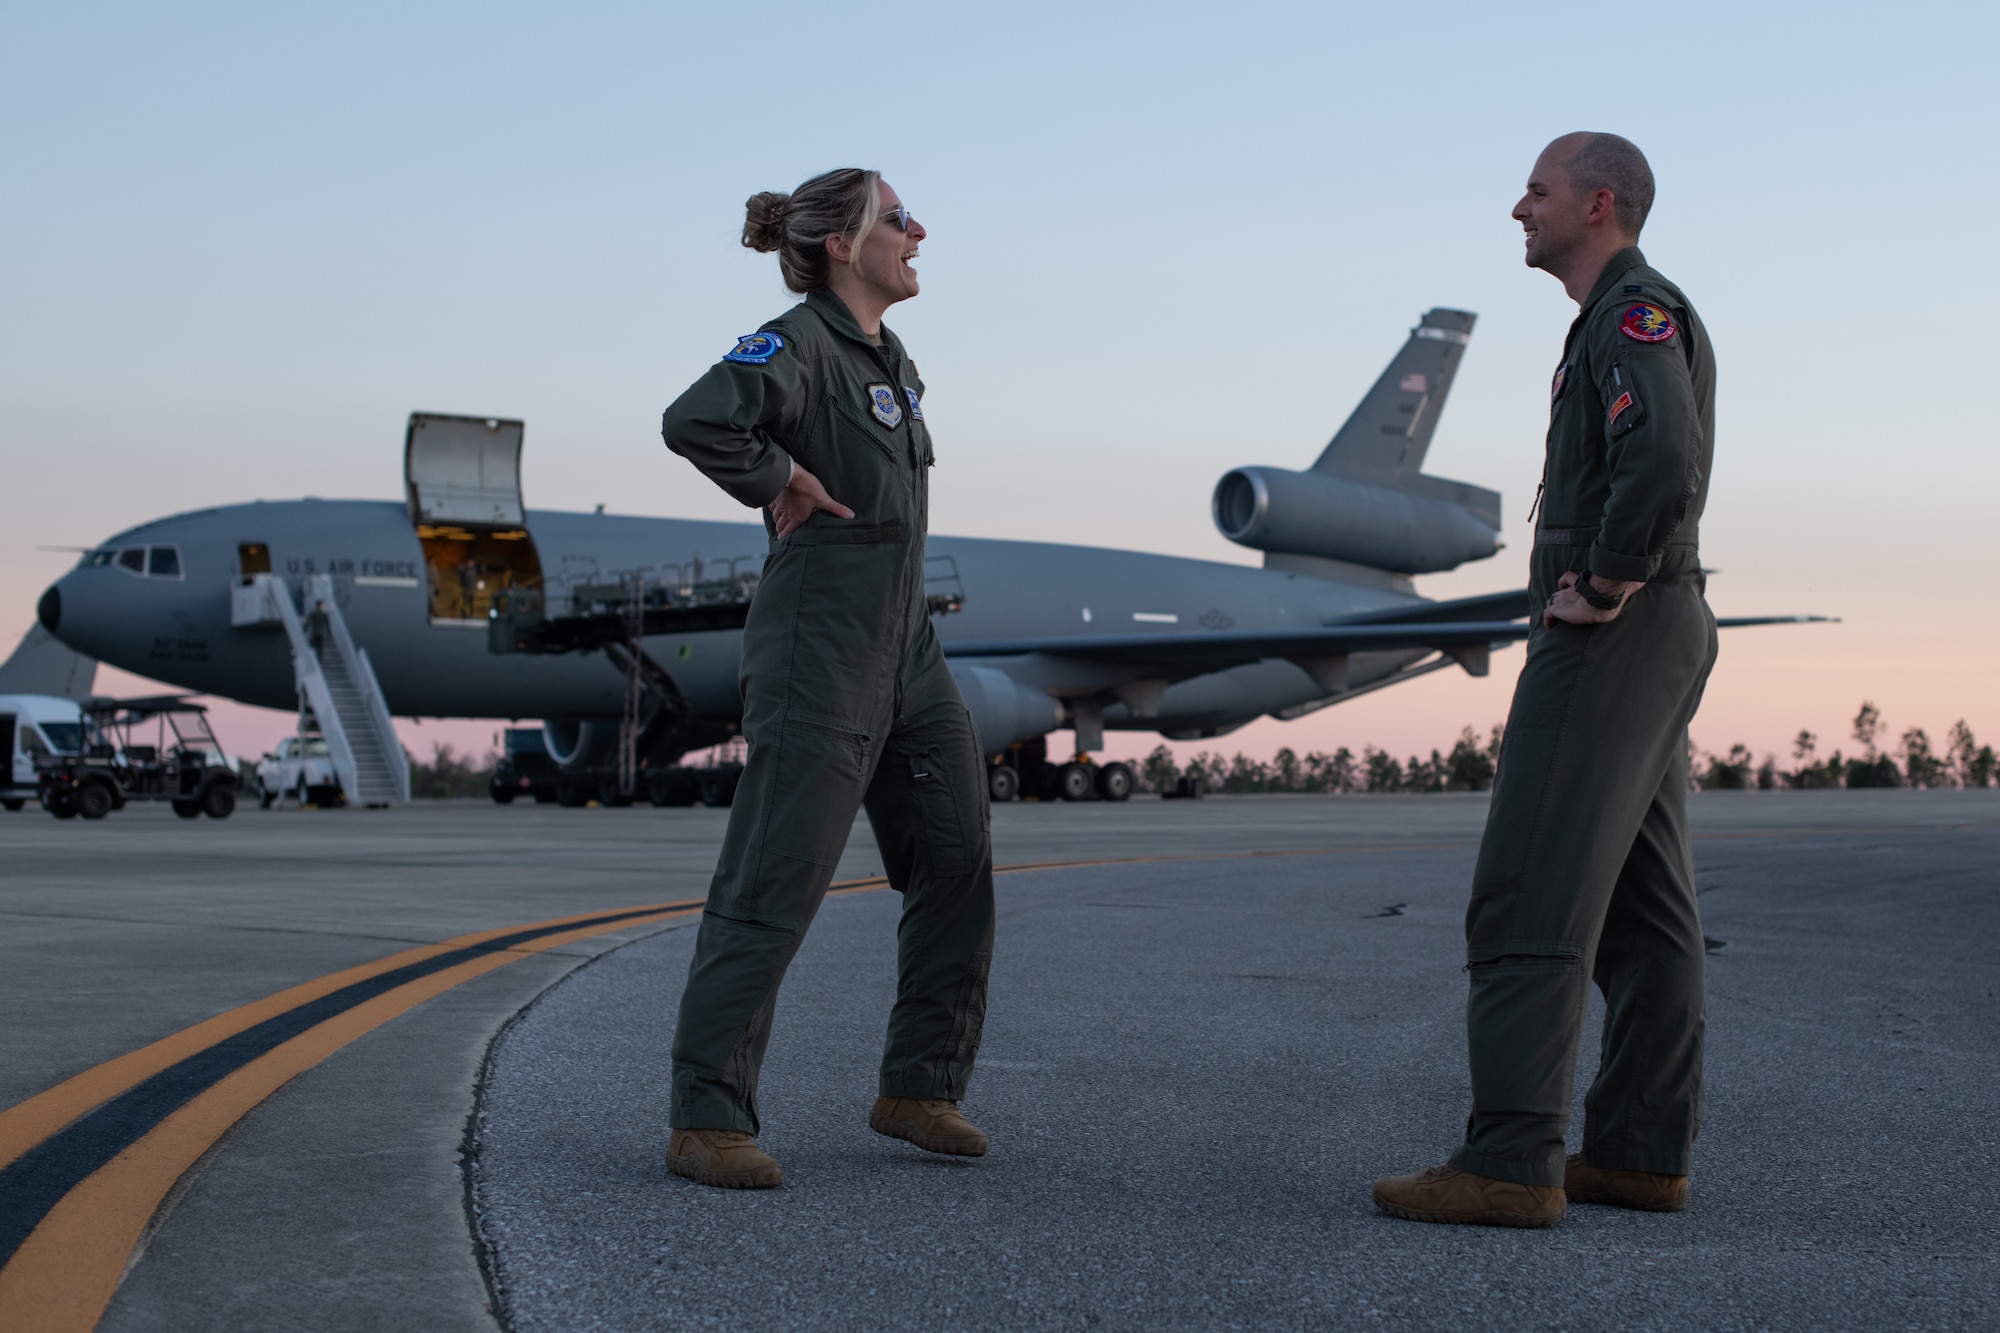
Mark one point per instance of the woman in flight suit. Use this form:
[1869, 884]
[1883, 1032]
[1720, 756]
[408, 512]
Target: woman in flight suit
[817, 418]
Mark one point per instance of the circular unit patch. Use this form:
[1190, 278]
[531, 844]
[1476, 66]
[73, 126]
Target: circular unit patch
[1647, 324]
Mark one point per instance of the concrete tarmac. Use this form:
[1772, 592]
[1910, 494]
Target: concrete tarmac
[1192, 1070]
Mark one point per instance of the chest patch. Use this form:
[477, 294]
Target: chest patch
[1644, 323]
[755, 349]
[1556, 385]
[883, 403]
[1623, 401]
[916, 403]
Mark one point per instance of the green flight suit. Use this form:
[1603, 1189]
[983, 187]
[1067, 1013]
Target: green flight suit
[846, 701]
[1585, 872]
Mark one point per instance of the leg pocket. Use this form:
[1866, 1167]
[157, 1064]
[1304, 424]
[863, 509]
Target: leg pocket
[822, 772]
[947, 812]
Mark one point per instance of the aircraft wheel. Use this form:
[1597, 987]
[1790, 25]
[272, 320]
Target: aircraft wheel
[1115, 782]
[1075, 782]
[188, 809]
[218, 801]
[12, 805]
[609, 794]
[1003, 783]
[94, 800]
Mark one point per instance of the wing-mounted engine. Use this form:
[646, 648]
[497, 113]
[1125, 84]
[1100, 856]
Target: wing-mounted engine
[1366, 501]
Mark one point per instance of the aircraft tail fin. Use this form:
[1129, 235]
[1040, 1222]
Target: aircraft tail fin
[43, 665]
[1385, 439]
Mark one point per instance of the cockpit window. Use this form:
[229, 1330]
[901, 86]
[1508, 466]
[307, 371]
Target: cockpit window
[148, 562]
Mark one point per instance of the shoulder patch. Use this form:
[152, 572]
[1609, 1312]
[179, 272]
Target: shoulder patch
[1624, 401]
[882, 402]
[1556, 385]
[1645, 323]
[916, 404]
[755, 349]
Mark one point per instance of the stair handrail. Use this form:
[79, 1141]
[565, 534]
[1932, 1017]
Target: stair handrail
[362, 673]
[312, 683]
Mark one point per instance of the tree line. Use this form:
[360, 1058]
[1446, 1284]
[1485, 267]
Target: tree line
[1470, 764]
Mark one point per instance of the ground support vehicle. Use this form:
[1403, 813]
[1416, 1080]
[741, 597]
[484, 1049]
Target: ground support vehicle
[1024, 772]
[525, 768]
[153, 749]
[301, 768]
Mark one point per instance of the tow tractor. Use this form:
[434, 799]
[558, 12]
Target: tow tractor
[154, 749]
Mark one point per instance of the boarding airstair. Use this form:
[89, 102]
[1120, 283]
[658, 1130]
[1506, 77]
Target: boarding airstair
[337, 687]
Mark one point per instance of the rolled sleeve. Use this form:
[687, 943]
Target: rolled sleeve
[730, 424]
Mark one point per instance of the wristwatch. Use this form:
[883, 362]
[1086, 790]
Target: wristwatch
[1602, 601]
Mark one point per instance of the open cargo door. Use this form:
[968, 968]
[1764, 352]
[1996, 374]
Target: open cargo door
[463, 476]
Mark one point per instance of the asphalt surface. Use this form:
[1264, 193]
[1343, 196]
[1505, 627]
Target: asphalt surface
[1223, 1012]
[1193, 1071]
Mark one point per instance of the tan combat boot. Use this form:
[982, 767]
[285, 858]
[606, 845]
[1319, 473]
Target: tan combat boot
[934, 1126]
[1647, 1190]
[1446, 1194]
[726, 1158]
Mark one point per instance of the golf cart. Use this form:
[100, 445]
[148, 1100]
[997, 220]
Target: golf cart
[155, 749]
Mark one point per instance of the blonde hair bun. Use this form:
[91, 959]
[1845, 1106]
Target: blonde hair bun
[764, 220]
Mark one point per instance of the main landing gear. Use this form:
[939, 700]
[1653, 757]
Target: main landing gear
[1025, 772]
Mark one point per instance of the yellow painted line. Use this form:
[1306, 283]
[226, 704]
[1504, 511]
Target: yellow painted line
[63, 1276]
[27, 1123]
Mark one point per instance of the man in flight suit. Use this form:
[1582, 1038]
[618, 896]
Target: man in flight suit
[1584, 872]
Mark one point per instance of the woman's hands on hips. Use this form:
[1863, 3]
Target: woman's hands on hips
[802, 497]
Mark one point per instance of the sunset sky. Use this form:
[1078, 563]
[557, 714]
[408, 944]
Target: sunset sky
[243, 242]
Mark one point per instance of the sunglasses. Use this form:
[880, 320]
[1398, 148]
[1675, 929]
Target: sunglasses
[899, 218]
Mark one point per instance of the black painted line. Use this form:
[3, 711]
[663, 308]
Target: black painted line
[39, 1178]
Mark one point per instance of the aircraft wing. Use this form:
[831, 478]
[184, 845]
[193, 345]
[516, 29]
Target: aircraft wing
[1215, 650]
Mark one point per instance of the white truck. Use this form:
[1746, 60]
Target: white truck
[302, 768]
[36, 727]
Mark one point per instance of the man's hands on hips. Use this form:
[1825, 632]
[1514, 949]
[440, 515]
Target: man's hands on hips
[1568, 604]
[802, 497]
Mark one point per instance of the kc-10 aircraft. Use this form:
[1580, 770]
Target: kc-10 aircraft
[1041, 636]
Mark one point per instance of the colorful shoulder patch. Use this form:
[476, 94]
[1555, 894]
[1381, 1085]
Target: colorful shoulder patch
[754, 349]
[1623, 401]
[1556, 385]
[916, 404]
[1647, 324]
[882, 401]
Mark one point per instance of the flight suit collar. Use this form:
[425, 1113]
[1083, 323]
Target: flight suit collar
[1620, 264]
[842, 321]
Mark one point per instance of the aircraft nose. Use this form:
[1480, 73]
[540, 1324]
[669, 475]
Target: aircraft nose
[49, 609]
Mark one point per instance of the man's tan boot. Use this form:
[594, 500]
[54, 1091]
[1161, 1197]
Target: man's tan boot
[1647, 1190]
[934, 1126]
[1447, 1194]
[726, 1158]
